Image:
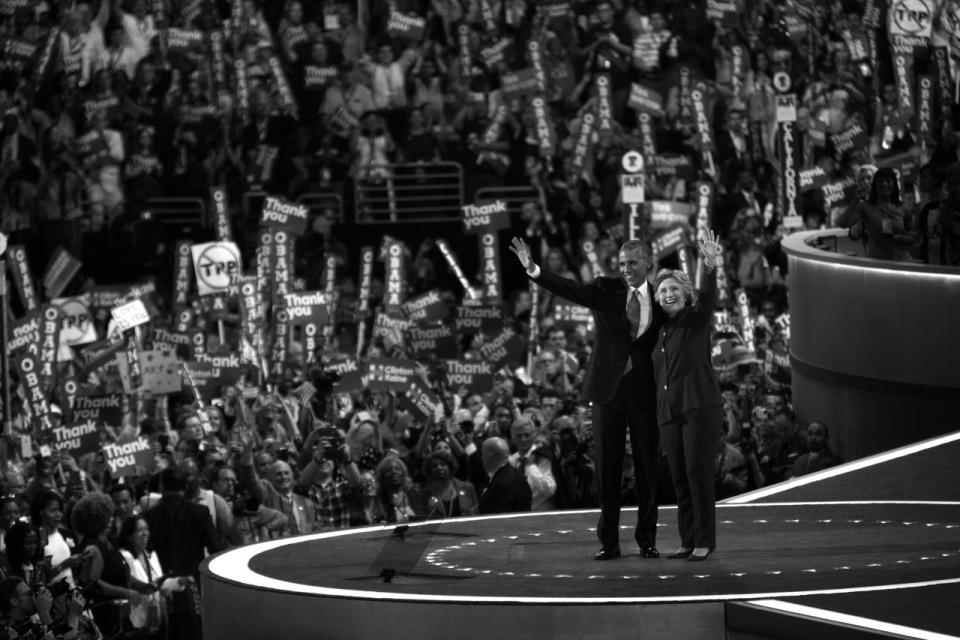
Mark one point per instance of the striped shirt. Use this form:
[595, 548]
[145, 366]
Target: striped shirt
[646, 49]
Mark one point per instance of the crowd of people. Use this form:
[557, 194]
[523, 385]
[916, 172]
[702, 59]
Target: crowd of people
[107, 104]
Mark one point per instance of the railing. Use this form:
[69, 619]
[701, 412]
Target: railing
[323, 202]
[410, 193]
[515, 197]
[190, 212]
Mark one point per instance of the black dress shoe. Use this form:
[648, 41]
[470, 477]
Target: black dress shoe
[699, 557]
[607, 554]
[649, 551]
[680, 554]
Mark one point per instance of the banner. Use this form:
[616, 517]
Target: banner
[910, 23]
[49, 346]
[185, 40]
[129, 459]
[743, 304]
[215, 264]
[183, 266]
[700, 102]
[318, 78]
[464, 55]
[207, 379]
[476, 377]
[484, 218]
[670, 165]
[36, 400]
[92, 108]
[494, 54]
[436, 342]
[490, 284]
[684, 85]
[925, 120]
[506, 349]
[282, 258]
[279, 213]
[589, 251]
[473, 320]
[518, 84]
[129, 315]
[366, 279]
[59, 271]
[854, 138]
[583, 149]
[218, 64]
[648, 141]
[406, 27]
[725, 11]
[389, 374]
[243, 89]
[941, 63]
[218, 203]
[646, 100]
[396, 275]
[545, 135]
[704, 206]
[790, 177]
[160, 371]
[536, 62]
[22, 278]
[668, 242]
[604, 103]
[308, 307]
[390, 328]
[903, 78]
[287, 101]
[24, 334]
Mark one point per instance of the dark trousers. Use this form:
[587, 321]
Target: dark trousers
[611, 423]
[691, 448]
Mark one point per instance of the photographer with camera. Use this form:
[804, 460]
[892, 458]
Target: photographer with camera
[252, 522]
[26, 612]
[332, 479]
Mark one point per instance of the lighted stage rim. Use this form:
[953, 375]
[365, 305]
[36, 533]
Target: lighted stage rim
[488, 574]
[873, 345]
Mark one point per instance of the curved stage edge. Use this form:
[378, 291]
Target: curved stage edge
[532, 575]
[873, 344]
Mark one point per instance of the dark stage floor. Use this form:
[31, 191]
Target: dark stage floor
[879, 540]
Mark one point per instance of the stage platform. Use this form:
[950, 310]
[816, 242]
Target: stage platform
[870, 549]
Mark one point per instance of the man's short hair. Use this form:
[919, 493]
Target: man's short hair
[173, 479]
[637, 245]
[826, 429]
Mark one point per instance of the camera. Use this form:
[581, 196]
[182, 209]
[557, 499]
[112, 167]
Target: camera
[331, 440]
[56, 589]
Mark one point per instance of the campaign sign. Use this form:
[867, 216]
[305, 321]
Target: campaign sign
[427, 307]
[308, 307]
[670, 165]
[282, 214]
[420, 401]
[103, 410]
[503, 349]
[645, 100]
[25, 334]
[433, 342]
[215, 265]
[568, 316]
[473, 320]
[210, 377]
[78, 439]
[475, 375]
[853, 138]
[389, 374]
[160, 371]
[632, 188]
[132, 458]
[388, 327]
[59, 272]
[490, 216]
[669, 241]
[406, 27]
[76, 323]
[812, 178]
[666, 213]
[130, 315]
[518, 84]
[351, 378]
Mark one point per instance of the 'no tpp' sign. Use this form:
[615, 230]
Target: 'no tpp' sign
[215, 265]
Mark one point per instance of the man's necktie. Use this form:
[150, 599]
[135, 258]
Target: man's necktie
[634, 313]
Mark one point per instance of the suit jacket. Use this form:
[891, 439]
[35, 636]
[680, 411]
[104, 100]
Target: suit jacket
[180, 531]
[508, 491]
[685, 376]
[613, 344]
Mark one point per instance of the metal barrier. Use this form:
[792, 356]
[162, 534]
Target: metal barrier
[515, 197]
[323, 202]
[404, 193]
[177, 211]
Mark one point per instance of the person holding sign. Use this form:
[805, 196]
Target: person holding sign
[689, 404]
[619, 383]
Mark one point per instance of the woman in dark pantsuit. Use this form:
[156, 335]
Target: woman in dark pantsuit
[688, 399]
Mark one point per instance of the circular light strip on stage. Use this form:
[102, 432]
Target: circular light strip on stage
[234, 565]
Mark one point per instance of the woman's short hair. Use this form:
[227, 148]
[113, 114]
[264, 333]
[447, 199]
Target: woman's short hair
[682, 279]
[443, 456]
[92, 514]
[40, 502]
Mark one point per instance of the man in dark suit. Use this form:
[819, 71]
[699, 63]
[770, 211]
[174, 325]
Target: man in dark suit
[508, 490]
[620, 385]
[180, 531]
